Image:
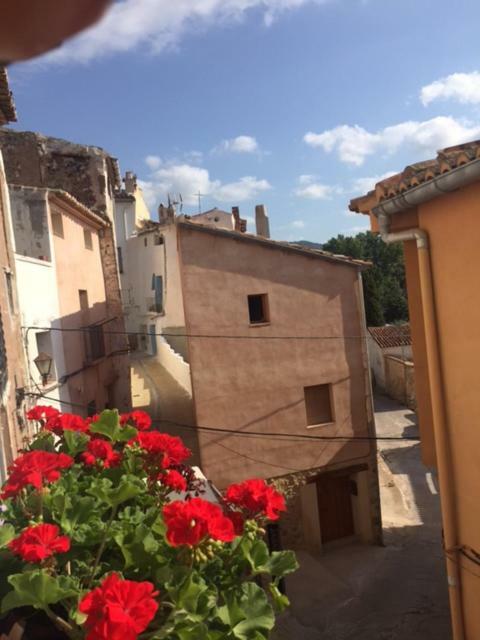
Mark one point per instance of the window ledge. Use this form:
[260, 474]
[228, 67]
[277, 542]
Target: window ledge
[259, 324]
[321, 424]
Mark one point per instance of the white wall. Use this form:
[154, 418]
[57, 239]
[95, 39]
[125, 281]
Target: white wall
[39, 307]
[142, 258]
[376, 356]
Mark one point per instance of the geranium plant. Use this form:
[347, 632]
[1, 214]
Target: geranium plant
[107, 531]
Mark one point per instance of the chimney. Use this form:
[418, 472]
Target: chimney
[261, 221]
[239, 224]
[166, 214]
[130, 182]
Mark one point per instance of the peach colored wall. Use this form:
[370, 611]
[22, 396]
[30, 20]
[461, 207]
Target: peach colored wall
[257, 385]
[80, 268]
[453, 224]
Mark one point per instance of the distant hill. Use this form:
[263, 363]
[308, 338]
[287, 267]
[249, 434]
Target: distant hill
[384, 283]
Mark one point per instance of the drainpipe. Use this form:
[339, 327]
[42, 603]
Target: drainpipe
[442, 440]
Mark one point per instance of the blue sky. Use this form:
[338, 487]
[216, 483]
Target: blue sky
[297, 104]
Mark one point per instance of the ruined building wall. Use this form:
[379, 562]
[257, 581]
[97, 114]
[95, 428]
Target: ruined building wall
[90, 175]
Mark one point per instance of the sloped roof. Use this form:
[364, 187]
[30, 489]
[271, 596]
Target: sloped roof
[391, 335]
[213, 211]
[7, 106]
[276, 244]
[413, 175]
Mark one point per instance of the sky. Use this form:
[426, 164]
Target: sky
[300, 105]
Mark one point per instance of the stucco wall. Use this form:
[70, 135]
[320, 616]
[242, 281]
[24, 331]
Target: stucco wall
[400, 379]
[452, 223]
[258, 385]
[79, 268]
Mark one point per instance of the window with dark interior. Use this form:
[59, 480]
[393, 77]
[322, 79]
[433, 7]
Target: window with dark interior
[318, 404]
[258, 308]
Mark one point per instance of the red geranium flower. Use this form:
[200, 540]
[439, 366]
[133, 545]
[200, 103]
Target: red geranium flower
[66, 422]
[174, 480]
[256, 497]
[39, 542]
[141, 420]
[41, 412]
[238, 521]
[119, 609]
[101, 452]
[35, 468]
[169, 449]
[192, 521]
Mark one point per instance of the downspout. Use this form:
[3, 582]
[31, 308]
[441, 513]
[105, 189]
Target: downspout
[440, 426]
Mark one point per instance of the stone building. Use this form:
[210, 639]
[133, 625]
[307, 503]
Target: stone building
[90, 176]
[245, 343]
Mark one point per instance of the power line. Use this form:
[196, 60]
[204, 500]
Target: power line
[260, 434]
[147, 334]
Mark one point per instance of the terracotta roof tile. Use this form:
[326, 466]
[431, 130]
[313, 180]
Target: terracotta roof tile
[415, 174]
[391, 335]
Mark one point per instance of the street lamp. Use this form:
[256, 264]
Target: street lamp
[43, 362]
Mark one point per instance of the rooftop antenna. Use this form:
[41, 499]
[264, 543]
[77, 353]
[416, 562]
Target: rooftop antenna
[200, 196]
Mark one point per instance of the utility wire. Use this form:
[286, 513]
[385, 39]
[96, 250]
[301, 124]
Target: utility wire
[147, 334]
[258, 434]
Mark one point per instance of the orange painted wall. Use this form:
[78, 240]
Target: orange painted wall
[258, 384]
[453, 225]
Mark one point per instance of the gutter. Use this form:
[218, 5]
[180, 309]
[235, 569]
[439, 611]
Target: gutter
[450, 181]
[455, 179]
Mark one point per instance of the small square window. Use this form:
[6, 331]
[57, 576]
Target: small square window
[318, 404]
[57, 224]
[258, 308]
[87, 236]
[158, 240]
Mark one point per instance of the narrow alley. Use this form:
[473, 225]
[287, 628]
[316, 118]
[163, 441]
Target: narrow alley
[395, 592]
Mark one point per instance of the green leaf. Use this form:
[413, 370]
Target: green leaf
[7, 534]
[257, 612]
[129, 487]
[190, 592]
[44, 441]
[280, 600]
[37, 589]
[126, 433]
[108, 425]
[75, 442]
[281, 563]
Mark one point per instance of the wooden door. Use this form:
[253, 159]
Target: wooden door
[335, 507]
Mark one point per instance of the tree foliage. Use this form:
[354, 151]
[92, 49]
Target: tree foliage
[384, 283]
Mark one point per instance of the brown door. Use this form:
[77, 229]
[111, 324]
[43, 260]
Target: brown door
[335, 507]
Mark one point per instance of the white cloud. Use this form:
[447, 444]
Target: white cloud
[153, 162]
[298, 224]
[311, 189]
[155, 25]
[240, 144]
[354, 143]
[188, 180]
[462, 87]
[244, 189]
[363, 185]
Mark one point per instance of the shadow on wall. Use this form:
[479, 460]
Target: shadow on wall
[156, 391]
[96, 373]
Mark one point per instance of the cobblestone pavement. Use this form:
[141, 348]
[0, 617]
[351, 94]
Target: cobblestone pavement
[395, 592]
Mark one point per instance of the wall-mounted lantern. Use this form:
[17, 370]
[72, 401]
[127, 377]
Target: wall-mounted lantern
[43, 362]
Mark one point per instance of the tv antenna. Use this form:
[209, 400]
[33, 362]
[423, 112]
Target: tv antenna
[200, 196]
